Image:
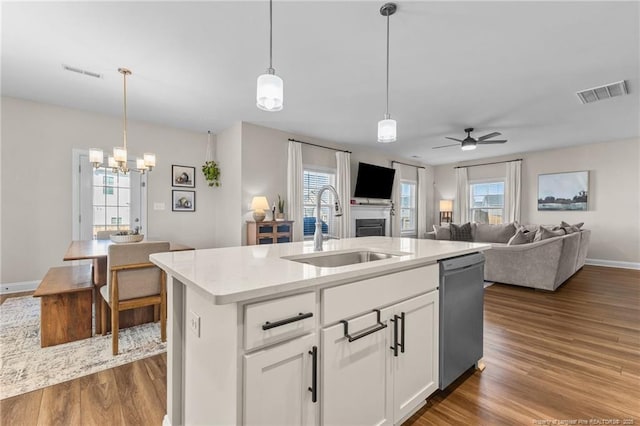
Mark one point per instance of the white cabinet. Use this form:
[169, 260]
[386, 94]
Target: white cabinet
[356, 382]
[414, 365]
[388, 369]
[279, 384]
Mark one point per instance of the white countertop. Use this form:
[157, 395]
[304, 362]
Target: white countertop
[236, 274]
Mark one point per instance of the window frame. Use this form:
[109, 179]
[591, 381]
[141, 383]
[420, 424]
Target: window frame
[413, 209]
[310, 168]
[494, 180]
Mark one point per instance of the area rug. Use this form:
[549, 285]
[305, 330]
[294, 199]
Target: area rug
[25, 366]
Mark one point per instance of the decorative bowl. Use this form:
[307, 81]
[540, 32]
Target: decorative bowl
[131, 238]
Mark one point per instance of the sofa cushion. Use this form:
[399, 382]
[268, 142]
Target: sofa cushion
[571, 228]
[488, 233]
[442, 232]
[461, 232]
[521, 237]
[543, 233]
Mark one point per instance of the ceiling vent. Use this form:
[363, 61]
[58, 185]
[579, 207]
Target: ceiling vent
[81, 71]
[619, 88]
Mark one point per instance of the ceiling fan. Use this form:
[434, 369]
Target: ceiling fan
[470, 143]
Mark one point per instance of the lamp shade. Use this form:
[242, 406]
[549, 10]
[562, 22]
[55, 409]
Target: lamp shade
[140, 164]
[259, 203]
[446, 205]
[149, 160]
[387, 130]
[270, 92]
[95, 156]
[112, 162]
[120, 154]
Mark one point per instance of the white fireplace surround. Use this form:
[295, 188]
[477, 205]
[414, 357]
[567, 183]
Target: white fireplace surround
[363, 211]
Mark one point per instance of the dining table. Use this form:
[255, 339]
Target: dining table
[97, 251]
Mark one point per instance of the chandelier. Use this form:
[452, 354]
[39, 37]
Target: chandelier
[118, 162]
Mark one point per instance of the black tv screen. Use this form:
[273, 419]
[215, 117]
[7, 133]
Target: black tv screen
[374, 181]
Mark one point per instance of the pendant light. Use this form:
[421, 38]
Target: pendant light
[387, 127]
[118, 162]
[270, 91]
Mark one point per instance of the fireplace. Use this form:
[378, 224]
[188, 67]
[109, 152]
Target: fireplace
[370, 227]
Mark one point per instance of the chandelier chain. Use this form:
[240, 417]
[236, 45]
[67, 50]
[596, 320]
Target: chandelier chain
[387, 108]
[271, 34]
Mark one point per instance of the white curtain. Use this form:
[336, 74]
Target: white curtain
[395, 199]
[461, 202]
[423, 214]
[295, 188]
[512, 191]
[343, 186]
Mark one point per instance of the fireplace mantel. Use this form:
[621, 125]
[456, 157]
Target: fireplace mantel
[371, 211]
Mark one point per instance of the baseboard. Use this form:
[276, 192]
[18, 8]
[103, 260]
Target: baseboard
[612, 263]
[19, 287]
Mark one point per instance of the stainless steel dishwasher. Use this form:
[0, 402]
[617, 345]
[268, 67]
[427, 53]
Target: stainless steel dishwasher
[461, 315]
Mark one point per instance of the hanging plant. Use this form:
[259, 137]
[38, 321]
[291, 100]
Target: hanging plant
[210, 168]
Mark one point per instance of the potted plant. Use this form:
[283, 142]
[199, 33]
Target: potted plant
[211, 173]
[280, 215]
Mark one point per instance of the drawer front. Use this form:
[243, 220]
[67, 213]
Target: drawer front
[283, 228]
[265, 229]
[277, 320]
[349, 300]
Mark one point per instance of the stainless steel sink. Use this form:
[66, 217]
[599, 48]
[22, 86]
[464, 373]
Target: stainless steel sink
[334, 260]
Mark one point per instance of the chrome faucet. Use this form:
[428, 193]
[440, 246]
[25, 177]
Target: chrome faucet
[317, 237]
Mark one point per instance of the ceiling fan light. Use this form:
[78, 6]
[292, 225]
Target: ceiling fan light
[468, 146]
[270, 92]
[387, 130]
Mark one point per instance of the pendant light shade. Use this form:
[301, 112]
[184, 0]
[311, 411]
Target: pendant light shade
[270, 93]
[270, 87]
[387, 128]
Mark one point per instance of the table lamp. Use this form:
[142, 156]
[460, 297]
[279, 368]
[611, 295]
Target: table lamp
[259, 205]
[446, 210]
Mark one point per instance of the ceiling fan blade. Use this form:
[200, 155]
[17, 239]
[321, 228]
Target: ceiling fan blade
[453, 139]
[496, 141]
[490, 135]
[445, 146]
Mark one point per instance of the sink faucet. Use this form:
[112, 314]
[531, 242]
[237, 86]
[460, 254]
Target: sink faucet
[317, 237]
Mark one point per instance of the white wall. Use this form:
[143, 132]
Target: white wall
[614, 185]
[228, 216]
[37, 143]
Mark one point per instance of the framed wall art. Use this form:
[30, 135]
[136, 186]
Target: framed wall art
[183, 201]
[563, 191]
[183, 176]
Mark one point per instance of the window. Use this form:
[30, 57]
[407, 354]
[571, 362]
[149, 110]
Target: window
[111, 201]
[408, 204]
[313, 181]
[487, 202]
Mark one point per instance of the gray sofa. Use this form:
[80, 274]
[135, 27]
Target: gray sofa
[543, 264]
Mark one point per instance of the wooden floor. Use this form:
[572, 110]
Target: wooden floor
[568, 357]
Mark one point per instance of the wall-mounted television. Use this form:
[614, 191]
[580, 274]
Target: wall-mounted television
[374, 181]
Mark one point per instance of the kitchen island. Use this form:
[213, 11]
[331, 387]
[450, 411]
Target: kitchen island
[261, 335]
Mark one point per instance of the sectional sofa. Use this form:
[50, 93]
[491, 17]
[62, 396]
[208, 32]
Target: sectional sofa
[553, 255]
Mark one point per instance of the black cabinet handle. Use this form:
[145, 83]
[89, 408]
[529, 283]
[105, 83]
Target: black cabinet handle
[269, 325]
[314, 374]
[395, 335]
[402, 333]
[379, 326]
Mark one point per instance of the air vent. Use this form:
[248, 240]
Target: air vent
[81, 71]
[599, 93]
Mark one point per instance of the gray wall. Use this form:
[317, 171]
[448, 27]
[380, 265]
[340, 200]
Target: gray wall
[36, 199]
[614, 185]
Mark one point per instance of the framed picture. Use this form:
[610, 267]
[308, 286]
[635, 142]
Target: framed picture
[183, 201]
[183, 176]
[563, 191]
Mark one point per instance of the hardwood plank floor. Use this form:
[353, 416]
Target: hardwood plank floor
[551, 358]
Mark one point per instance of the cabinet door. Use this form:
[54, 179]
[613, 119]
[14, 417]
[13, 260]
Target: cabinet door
[277, 382]
[415, 368]
[355, 381]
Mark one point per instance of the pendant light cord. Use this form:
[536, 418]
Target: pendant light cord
[387, 110]
[124, 74]
[271, 36]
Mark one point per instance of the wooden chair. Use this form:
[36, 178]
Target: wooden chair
[134, 282]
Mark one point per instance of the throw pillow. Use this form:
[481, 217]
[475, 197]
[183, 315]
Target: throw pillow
[461, 232]
[544, 233]
[442, 232]
[571, 228]
[522, 236]
[489, 233]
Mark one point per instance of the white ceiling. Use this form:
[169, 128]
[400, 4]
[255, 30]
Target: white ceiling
[512, 67]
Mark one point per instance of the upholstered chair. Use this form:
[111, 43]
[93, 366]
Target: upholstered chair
[104, 235]
[134, 282]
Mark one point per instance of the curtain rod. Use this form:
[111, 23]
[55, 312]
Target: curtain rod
[406, 164]
[487, 164]
[319, 146]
